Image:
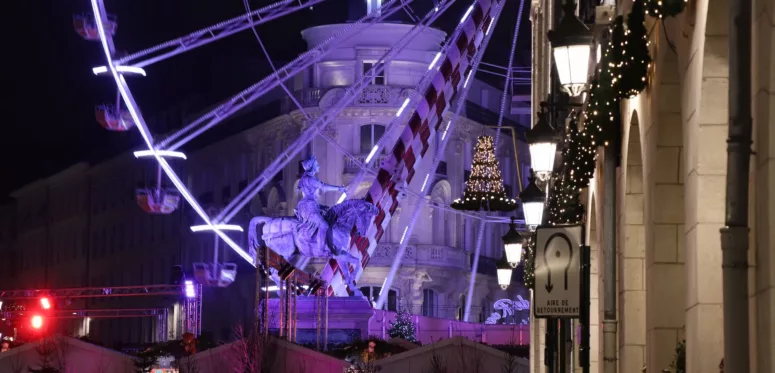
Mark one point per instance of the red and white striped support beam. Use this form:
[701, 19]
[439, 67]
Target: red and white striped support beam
[414, 142]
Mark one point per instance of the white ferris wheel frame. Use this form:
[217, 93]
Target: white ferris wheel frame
[242, 99]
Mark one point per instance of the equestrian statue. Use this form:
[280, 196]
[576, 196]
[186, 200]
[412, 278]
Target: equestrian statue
[316, 231]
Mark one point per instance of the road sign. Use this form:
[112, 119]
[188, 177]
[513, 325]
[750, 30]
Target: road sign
[558, 272]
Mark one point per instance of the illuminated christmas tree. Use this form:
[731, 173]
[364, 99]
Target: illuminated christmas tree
[403, 327]
[484, 188]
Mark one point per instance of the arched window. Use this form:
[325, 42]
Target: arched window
[462, 309]
[430, 304]
[370, 135]
[372, 292]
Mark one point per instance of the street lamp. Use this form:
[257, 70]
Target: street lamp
[533, 200]
[571, 46]
[542, 140]
[504, 273]
[512, 244]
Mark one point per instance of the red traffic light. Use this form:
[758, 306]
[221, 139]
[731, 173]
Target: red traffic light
[37, 321]
[45, 303]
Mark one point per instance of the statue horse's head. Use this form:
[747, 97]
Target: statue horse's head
[366, 213]
[353, 212]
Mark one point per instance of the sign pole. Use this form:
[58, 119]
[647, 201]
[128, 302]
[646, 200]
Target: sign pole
[550, 344]
[586, 262]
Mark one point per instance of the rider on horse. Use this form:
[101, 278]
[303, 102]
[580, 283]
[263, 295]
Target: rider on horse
[308, 209]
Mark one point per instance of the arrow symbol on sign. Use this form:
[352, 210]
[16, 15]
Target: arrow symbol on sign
[549, 285]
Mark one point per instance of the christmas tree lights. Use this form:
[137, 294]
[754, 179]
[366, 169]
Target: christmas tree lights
[403, 327]
[578, 154]
[601, 117]
[564, 206]
[635, 53]
[529, 269]
[484, 188]
[665, 8]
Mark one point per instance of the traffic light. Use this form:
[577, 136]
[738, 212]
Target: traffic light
[37, 322]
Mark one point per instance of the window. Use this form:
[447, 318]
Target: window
[370, 135]
[379, 78]
[429, 303]
[372, 292]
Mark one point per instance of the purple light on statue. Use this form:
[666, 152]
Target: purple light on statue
[190, 293]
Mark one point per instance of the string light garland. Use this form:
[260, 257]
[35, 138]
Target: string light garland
[665, 8]
[635, 53]
[578, 155]
[601, 117]
[484, 188]
[564, 206]
[528, 276]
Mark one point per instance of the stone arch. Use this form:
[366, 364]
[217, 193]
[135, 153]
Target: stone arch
[704, 112]
[593, 239]
[631, 252]
[663, 146]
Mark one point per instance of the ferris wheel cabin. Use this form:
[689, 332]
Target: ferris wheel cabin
[158, 201]
[86, 27]
[114, 119]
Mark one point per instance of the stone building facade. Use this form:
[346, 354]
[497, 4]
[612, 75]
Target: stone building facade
[670, 196]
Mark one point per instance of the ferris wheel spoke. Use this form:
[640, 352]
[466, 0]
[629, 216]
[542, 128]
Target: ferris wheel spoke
[350, 94]
[216, 32]
[250, 94]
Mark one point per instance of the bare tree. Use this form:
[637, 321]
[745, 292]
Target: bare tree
[61, 348]
[254, 353]
[470, 359]
[438, 363]
[510, 360]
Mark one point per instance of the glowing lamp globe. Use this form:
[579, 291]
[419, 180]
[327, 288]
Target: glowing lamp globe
[542, 140]
[533, 201]
[512, 244]
[504, 277]
[571, 47]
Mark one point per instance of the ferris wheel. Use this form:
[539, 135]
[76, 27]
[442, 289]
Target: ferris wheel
[444, 85]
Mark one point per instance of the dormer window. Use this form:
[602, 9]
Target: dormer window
[379, 78]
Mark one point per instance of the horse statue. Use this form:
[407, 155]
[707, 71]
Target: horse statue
[282, 235]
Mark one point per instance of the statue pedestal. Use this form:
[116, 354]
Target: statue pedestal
[348, 318]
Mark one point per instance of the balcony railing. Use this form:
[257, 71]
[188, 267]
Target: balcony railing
[307, 97]
[428, 255]
[372, 95]
[351, 167]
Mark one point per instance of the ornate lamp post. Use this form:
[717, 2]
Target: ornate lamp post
[542, 140]
[533, 201]
[504, 273]
[571, 46]
[512, 244]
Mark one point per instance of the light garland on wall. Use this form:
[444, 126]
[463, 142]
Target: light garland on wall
[665, 8]
[635, 53]
[484, 188]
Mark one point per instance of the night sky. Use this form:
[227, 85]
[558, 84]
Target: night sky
[51, 92]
